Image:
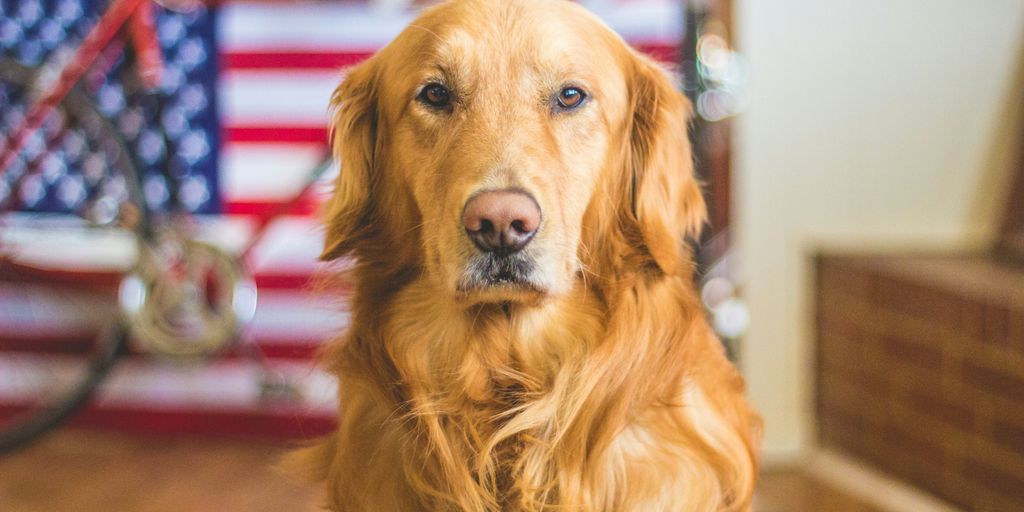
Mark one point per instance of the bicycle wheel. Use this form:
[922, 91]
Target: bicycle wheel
[70, 195]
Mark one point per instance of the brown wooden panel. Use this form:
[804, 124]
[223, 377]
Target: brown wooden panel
[920, 372]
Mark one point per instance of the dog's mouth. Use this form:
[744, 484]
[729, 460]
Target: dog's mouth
[500, 278]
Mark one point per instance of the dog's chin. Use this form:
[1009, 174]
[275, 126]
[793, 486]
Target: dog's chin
[490, 279]
[502, 294]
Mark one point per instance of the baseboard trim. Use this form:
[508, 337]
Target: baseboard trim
[781, 457]
[869, 485]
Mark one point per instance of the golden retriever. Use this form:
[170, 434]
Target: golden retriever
[516, 192]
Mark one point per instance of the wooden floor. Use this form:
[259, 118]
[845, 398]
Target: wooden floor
[101, 472]
[793, 491]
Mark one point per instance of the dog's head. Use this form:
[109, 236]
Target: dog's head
[506, 148]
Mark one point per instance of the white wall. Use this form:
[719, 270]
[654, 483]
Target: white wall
[873, 124]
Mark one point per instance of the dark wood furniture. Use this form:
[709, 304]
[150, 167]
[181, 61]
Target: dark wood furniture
[920, 372]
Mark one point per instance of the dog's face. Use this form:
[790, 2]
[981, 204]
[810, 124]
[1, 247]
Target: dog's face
[506, 140]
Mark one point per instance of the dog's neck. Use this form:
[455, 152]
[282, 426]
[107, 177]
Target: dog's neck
[489, 352]
[501, 355]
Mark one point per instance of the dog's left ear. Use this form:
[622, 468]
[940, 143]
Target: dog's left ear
[667, 203]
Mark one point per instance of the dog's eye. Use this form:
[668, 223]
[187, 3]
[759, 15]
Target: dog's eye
[570, 98]
[436, 95]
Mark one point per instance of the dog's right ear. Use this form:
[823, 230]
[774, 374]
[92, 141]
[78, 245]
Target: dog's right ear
[353, 133]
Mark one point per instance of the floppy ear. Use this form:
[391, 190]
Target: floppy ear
[353, 137]
[666, 200]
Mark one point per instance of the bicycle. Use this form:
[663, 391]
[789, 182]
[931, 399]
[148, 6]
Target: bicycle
[178, 295]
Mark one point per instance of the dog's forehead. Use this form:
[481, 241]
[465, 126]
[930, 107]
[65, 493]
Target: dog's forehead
[524, 34]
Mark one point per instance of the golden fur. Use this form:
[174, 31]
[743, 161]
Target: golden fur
[600, 387]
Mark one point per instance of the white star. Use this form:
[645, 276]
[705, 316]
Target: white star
[32, 191]
[68, 11]
[170, 30]
[172, 78]
[73, 145]
[174, 121]
[191, 52]
[29, 12]
[155, 190]
[192, 98]
[131, 122]
[71, 191]
[10, 32]
[194, 146]
[111, 99]
[94, 167]
[53, 168]
[51, 33]
[151, 146]
[194, 192]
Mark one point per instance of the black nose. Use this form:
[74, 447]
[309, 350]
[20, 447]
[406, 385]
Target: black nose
[501, 221]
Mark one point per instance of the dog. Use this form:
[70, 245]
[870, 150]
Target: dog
[516, 195]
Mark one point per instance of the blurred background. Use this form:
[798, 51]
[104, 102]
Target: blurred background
[863, 263]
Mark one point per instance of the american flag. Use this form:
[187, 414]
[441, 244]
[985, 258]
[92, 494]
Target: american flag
[251, 83]
[181, 134]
